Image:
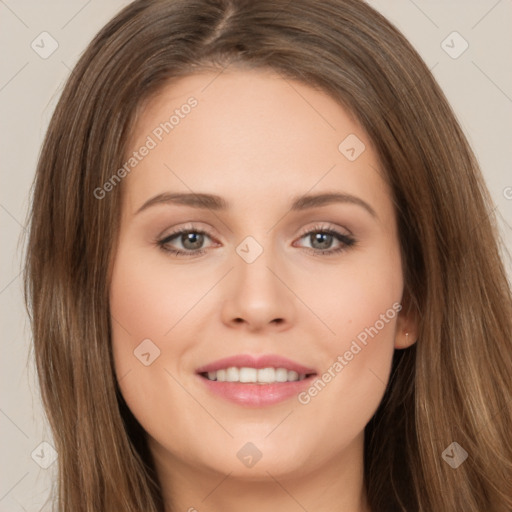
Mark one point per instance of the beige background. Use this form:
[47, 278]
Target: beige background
[478, 84]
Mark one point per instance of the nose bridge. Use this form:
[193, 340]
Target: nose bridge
[253, 273]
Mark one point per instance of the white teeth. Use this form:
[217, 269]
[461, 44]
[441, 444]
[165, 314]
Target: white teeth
[252, 375]
[281, 374]
[248, 375]
[232, 374]
[293, 375]
[267, 375]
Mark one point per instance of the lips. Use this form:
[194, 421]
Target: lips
[255, 380]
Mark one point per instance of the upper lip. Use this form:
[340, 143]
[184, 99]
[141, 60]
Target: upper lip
[260, 361]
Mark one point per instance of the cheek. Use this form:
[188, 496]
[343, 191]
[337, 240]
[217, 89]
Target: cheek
[362, 308]
[144, 308]
[354, 296]
[341, 401]
[148, 301]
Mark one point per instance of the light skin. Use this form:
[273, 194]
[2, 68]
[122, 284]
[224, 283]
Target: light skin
[259, 142]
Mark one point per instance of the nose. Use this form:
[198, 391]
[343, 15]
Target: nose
[258, 296]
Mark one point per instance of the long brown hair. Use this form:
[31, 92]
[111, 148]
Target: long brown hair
[453, 385]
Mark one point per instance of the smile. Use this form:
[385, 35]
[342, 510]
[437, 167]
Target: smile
[255, 381]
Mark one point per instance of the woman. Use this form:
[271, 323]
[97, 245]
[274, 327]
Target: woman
[262, 271]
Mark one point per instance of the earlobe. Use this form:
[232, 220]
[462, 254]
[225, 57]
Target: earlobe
[405, 339]
[406, 328]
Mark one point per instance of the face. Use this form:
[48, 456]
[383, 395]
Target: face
[257, 281]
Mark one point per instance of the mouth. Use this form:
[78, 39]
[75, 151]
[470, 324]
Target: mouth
[255, 380]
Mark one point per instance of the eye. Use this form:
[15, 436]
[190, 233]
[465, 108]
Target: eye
[323, 238]
[191, 242]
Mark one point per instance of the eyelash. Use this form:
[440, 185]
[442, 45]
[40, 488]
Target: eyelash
[347, 241]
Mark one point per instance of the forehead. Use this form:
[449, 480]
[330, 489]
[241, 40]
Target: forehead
[248, 134]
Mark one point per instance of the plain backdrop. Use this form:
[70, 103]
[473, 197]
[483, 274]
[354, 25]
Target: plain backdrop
[477, 82]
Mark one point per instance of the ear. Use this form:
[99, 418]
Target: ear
[406, 326]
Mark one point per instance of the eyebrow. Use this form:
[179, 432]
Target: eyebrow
[217, 203]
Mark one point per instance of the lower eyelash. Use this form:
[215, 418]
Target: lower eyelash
[179, 252]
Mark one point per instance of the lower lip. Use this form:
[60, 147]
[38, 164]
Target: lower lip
[257, 395]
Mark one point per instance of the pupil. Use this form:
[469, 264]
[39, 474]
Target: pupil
[192, 240]
[324, 239]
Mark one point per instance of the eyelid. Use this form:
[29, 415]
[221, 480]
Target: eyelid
[326, 226]
[189, 226]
